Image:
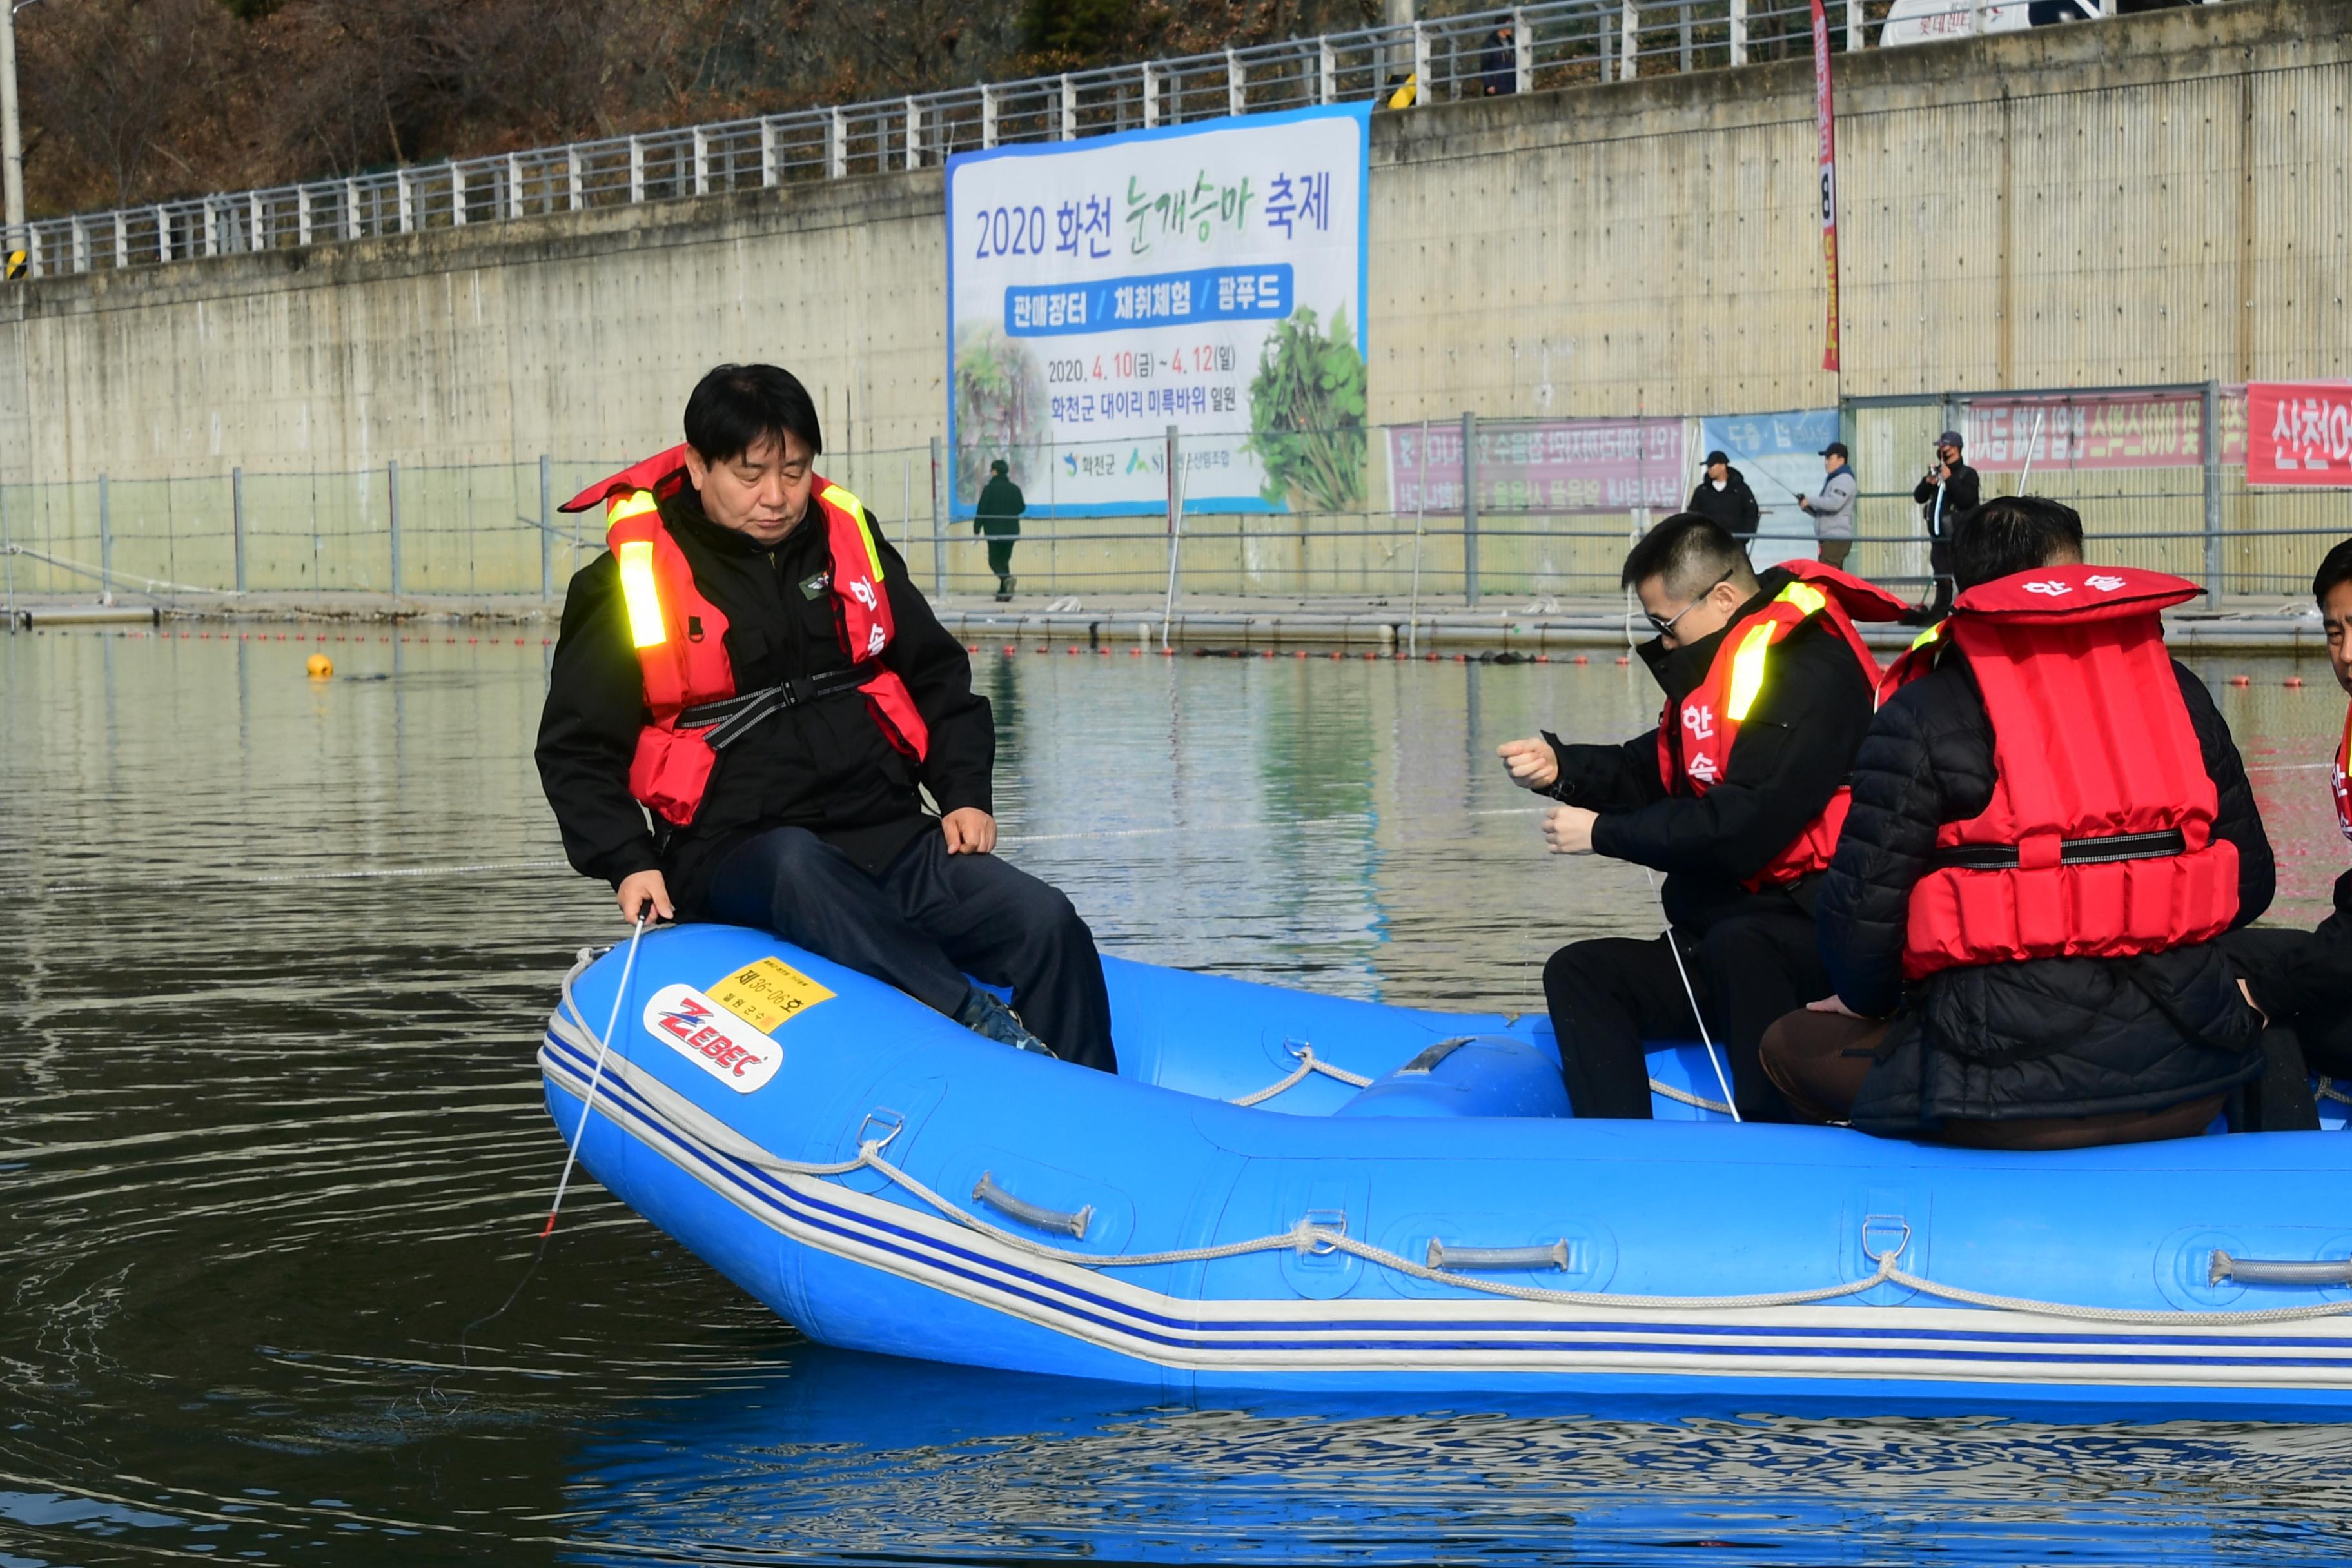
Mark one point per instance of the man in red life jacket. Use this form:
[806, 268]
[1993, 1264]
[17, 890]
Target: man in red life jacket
[2051, 829]
[748, 700]
[2301, 982]
[1735, 795]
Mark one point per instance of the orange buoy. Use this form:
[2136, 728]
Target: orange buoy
[320, 666]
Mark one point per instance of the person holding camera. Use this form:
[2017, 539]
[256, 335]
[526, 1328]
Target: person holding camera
[1946, 493]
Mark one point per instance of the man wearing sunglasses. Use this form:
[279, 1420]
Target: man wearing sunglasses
[1737, 795]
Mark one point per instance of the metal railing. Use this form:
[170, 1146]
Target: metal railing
[1451, 508]
[1557, 44]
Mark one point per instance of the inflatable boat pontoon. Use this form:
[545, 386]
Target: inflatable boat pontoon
[1287, 1191]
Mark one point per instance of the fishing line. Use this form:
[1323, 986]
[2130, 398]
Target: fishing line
[603, 1047]
[1704, 1039]
[620, 995]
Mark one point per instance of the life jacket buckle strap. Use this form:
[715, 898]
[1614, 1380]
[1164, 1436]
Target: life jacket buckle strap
[728, 721]
[2097, 851]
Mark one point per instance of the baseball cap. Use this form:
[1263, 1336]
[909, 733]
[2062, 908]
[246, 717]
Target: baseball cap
[1950, 438]
[1715, 458]
[1835, 450]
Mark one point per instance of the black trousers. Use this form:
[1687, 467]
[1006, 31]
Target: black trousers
[1608, 995]
[926, 923]
[2303, 981]
[1939, 562]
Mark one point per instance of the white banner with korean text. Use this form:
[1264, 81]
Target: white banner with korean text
[1208, 277]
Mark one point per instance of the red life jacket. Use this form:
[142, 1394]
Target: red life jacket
[1694, 748]
[680, 635]
[2098, 840]
[1914, 661]
[2342, 789]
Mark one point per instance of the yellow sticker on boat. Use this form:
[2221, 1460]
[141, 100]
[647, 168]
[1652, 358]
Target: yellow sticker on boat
[767, 992]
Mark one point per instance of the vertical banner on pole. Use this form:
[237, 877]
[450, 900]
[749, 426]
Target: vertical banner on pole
[1824, 119]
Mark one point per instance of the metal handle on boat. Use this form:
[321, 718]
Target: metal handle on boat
[1038, 1215]
[1553, 1256]
[2276, 1271]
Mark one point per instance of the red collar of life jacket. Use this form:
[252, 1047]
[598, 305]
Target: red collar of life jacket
[2098, 840]
[2343, 789]
[680, 635]
[1694, 746]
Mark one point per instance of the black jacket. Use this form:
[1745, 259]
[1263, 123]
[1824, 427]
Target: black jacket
[1960, 493]
[998, 513]
[824, 765]
[2055, 1036]
[1794, 749]
[1733, 507]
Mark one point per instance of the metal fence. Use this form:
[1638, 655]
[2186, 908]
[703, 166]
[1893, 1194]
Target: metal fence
[1556, 44]
[1443, 510]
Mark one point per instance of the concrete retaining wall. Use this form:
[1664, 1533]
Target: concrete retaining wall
[2156, 199]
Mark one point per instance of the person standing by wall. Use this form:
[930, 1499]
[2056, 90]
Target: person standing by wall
[998, 517]
[1498, 64]
[1723, 498]
[1833, 509]
[1946, 493]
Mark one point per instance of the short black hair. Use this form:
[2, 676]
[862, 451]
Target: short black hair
[736, 406]
[1689, 553]
[2010, 534]
[2334, 571]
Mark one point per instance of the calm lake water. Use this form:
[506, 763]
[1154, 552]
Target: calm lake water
[274, 958]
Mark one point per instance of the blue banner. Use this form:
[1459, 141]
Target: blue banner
[1160, 298]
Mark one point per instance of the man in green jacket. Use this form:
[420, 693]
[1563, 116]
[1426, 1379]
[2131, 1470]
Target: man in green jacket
[999, 518]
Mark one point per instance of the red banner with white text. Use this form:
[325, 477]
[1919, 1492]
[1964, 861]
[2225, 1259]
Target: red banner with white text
[1825, 122]
[2093, 430]
[2299, 433]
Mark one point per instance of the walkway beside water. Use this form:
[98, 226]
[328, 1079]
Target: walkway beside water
[1500, 623]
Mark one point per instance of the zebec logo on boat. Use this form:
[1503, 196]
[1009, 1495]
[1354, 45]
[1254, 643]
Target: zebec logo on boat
[714, 1039]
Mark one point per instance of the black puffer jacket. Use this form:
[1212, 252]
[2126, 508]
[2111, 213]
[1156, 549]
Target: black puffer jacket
[1734, 506]
[2059, 1036]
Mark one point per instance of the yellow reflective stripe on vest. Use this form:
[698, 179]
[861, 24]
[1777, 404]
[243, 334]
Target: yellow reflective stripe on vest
[835, 496]
[1805, 596]
[1748, 661]
[640, 594]
[1930, 634]
[622, 508]
[1747, 671]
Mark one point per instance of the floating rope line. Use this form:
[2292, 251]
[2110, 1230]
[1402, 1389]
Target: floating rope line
[688, 1121]
[371, 873]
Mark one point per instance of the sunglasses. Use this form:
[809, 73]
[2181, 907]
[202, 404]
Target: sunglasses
[1666, 627]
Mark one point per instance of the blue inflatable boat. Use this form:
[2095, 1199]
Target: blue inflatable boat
[1287, 1191]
